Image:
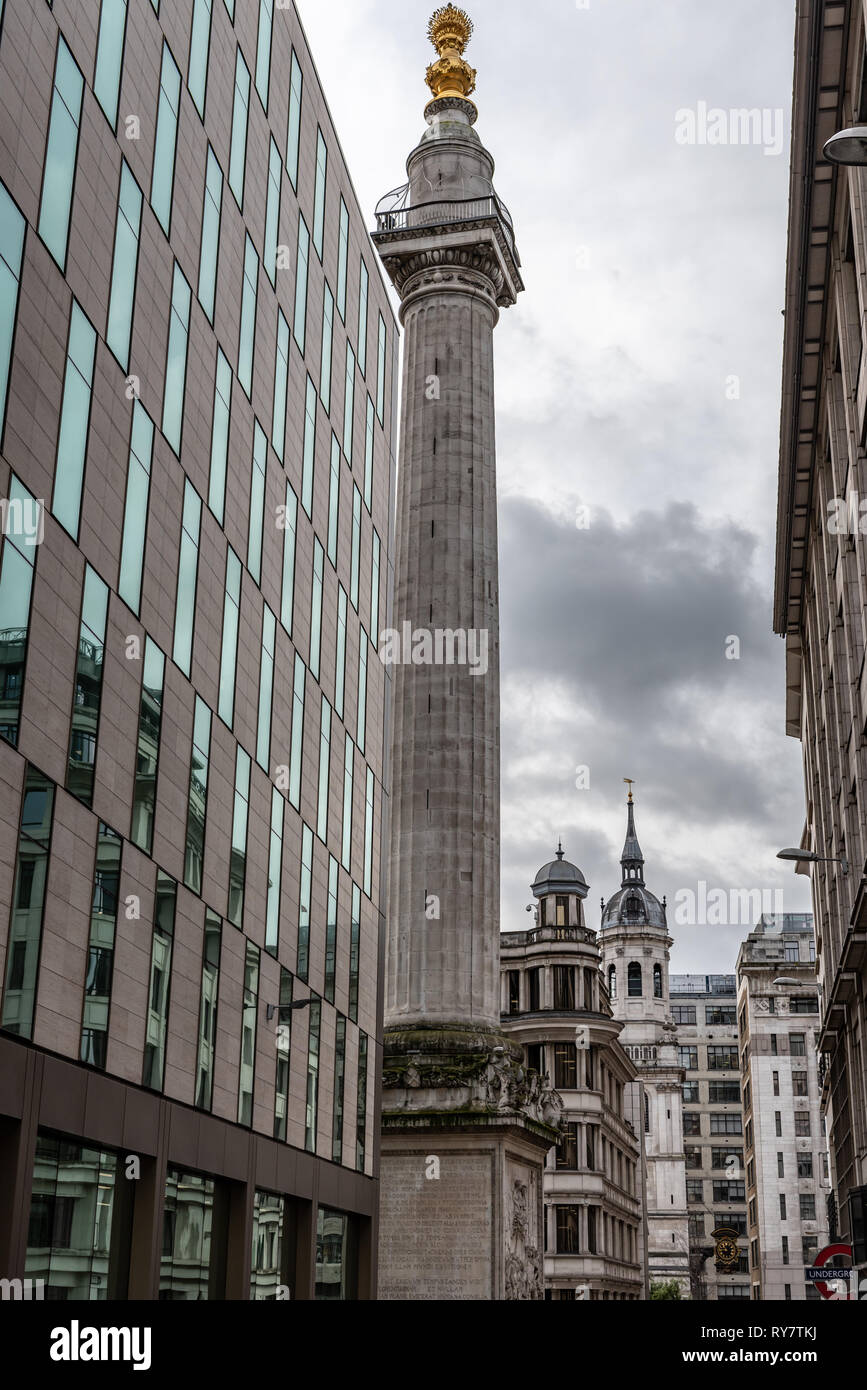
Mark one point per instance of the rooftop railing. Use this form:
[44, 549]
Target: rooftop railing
[395, 214]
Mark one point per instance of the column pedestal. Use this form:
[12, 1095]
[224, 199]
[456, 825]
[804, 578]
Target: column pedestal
[465, 1133]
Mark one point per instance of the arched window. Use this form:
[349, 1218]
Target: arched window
[646, 1114]
[612, 981]
[634, 980]
[657, 982]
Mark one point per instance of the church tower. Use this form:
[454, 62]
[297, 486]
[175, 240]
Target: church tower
[465, 1127]
[635, 955]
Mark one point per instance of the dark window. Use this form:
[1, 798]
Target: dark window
[719, 1157]
[567, 1149]
[534, 990]
[724, 1092]
[567, 1230]
[722, 1058]
[735, 1219]
[729, 1192]
[634, 980]
[683, 1013]
[804, 1004]
[565, 1066]
[725, 1123]
[564, 987]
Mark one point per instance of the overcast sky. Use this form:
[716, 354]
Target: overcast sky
[638, 377]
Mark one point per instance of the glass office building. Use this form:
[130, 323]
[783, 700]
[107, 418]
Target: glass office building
[196, 469]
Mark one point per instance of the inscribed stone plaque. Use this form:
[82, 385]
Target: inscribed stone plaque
[435, 1234]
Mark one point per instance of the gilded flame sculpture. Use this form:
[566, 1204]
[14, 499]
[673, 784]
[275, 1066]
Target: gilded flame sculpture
[449, 31]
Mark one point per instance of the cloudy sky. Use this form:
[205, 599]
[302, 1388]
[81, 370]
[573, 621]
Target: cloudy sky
[638, 378]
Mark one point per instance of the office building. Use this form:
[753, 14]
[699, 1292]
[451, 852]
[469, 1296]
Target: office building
[704, 1009]
[819, 603]
[785, 1148]
[196, 401]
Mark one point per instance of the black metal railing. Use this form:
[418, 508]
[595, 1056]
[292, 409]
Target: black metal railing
[395, 214]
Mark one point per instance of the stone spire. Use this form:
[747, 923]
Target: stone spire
[631, 860]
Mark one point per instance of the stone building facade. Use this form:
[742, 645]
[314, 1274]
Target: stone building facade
[555, 1004]
[197, 385]
[635, 955]
[704, 1010]
[820, 602]
[785, 1146]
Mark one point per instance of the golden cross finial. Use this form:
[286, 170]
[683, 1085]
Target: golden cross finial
[631, 781]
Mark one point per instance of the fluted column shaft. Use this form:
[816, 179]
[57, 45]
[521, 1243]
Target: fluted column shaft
[442, 948]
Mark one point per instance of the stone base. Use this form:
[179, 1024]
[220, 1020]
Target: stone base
[465, 1133]
[460, 1212]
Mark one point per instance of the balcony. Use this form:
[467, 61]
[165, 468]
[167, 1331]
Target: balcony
[548, 935]
[394, 214]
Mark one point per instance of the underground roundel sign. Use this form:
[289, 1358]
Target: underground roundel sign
[821, 1260]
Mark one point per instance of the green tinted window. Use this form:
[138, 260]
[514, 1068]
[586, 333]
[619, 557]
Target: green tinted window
[124, 266]
[74, 422]
[58, 176]
[165, 145]
[138, 480]
[209, 254]
[109, 57]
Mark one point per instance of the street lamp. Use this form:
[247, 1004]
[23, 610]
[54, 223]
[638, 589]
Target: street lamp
[847, 146]
[808, 856]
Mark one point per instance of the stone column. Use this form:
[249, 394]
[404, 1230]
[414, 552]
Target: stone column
[454, 1087]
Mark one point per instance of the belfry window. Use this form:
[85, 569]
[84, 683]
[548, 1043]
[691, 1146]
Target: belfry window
[612, 981]
[562, 912]
[657, 982]
[634, 980]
